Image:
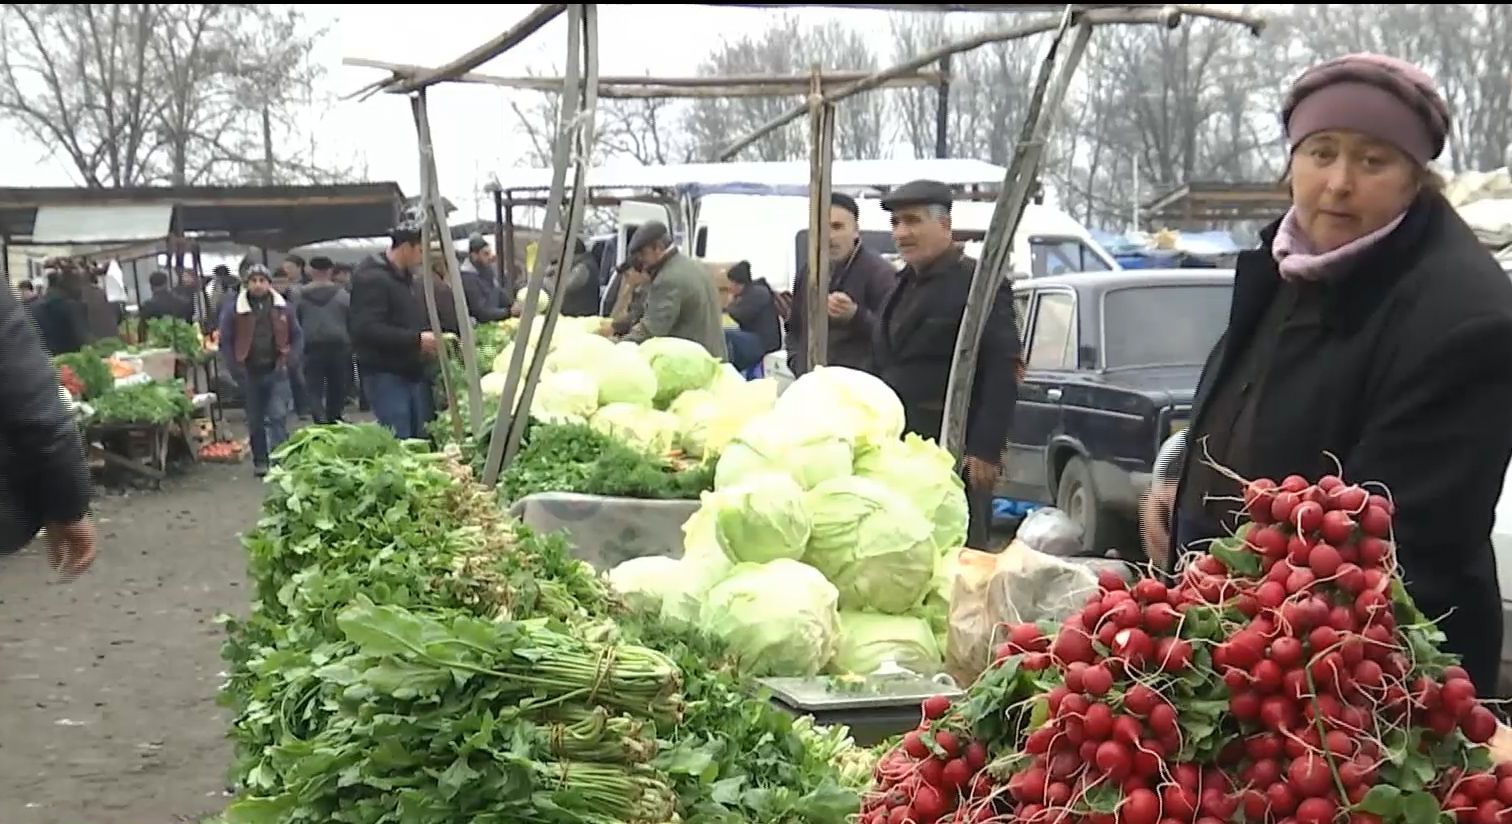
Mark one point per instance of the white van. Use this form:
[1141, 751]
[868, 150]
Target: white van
[771, 231]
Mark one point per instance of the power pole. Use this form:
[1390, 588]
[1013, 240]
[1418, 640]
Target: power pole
[942, 110]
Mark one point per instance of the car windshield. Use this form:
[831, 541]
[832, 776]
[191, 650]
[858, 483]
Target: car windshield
[1163, 325]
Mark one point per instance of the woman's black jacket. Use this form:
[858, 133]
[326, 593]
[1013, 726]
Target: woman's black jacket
[1407, 379]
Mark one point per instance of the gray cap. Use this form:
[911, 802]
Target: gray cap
[476, 243]
[919, 193]
[648, 233]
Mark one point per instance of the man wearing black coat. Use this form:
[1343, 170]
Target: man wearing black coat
[44, 482]
[486, 300]
[916, 341]
[391, 336]
[860, 281]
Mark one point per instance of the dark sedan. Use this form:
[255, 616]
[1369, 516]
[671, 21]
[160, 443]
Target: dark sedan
[1113, 360]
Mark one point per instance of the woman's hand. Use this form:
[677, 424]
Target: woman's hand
[1155, 523]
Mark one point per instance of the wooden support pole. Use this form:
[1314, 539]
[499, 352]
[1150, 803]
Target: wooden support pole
[745, 85]
[532, 22]
[581, 136]
[427, 282]
[566, 117]
[821, 151]
[1018, 185]
[507, 268]
[437, 204]
[498, 204]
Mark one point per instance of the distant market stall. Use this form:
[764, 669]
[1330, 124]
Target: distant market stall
[136, 414]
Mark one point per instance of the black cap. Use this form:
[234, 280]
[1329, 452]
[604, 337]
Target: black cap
[648, 233]
[919, 193]
[320, 263]
[845, 202]
[476, 243]
[405, 234]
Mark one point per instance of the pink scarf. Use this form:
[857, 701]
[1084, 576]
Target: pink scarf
[1296, 259]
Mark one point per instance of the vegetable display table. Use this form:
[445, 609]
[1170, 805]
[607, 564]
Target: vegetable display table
[875, 708]
[604, 531]
[141, 449]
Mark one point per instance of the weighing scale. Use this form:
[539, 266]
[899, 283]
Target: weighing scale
[875, 707]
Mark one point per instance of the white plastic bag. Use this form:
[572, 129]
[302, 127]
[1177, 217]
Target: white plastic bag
[1051, 531]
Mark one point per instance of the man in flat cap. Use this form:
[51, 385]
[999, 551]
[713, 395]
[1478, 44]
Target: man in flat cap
[916, 342]
[486, 300]
[682, 300]
[860, 281]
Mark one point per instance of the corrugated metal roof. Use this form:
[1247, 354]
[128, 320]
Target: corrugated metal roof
[115, 223]
[846, 174]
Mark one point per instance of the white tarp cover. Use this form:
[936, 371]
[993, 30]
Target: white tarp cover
[102, 223]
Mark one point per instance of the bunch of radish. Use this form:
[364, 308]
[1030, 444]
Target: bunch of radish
[937, 773]
[1285, 678]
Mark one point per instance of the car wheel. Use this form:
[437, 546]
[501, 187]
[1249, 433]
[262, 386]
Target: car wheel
[1075, 496]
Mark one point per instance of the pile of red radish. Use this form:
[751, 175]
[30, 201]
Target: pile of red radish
[1286, 678]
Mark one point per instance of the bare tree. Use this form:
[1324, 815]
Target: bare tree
[135, 94]
[989, 89]
[788, 48]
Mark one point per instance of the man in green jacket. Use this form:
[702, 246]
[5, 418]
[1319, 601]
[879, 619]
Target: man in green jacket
[682, 301]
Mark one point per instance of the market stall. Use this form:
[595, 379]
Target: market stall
[135, 412]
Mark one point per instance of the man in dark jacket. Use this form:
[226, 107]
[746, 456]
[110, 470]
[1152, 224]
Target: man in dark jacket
[261, 335]
[322, 313]
[486, 301]
[860, 281]
[44, 482]
[916, 342]
[754, 308]
[580, 292]
[165, 302]
[62, 318]
[391, 337]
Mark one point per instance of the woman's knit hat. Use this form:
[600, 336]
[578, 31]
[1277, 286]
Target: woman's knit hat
[1383, 97]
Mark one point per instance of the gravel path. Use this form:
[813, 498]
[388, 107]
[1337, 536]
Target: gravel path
[108, 684]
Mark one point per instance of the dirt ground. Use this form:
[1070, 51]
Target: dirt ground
[108, 683]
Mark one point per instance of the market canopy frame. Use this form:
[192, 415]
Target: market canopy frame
[580, 92]
[1205, 201]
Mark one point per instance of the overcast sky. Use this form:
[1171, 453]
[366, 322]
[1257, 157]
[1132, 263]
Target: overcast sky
[473, 127]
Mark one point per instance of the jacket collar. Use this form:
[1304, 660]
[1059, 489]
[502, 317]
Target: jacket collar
[244, 302]
[946, 260]
[1350, 297]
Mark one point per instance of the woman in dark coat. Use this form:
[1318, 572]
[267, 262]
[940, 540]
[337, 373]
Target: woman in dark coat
[1373, 327]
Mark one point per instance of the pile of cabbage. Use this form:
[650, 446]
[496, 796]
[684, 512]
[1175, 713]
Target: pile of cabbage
[823, 546]
[666, 395]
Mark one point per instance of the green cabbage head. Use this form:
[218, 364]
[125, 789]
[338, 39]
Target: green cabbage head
[924, 473]
[858, 404]
[625, 377]
[778, 618]
[761, 519]
[679, 365]
[694, 409]
[877, 549]
[811, 454]
[868, 640]
[649, 430]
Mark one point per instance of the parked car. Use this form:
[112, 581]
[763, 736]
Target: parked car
[1113, 360]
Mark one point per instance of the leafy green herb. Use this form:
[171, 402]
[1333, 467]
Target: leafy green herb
[145, 403]
[91, 370]
[577, 458]
[176, 334]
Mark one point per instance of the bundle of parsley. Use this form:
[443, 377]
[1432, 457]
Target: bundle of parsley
[411, 656]
[577, 458]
